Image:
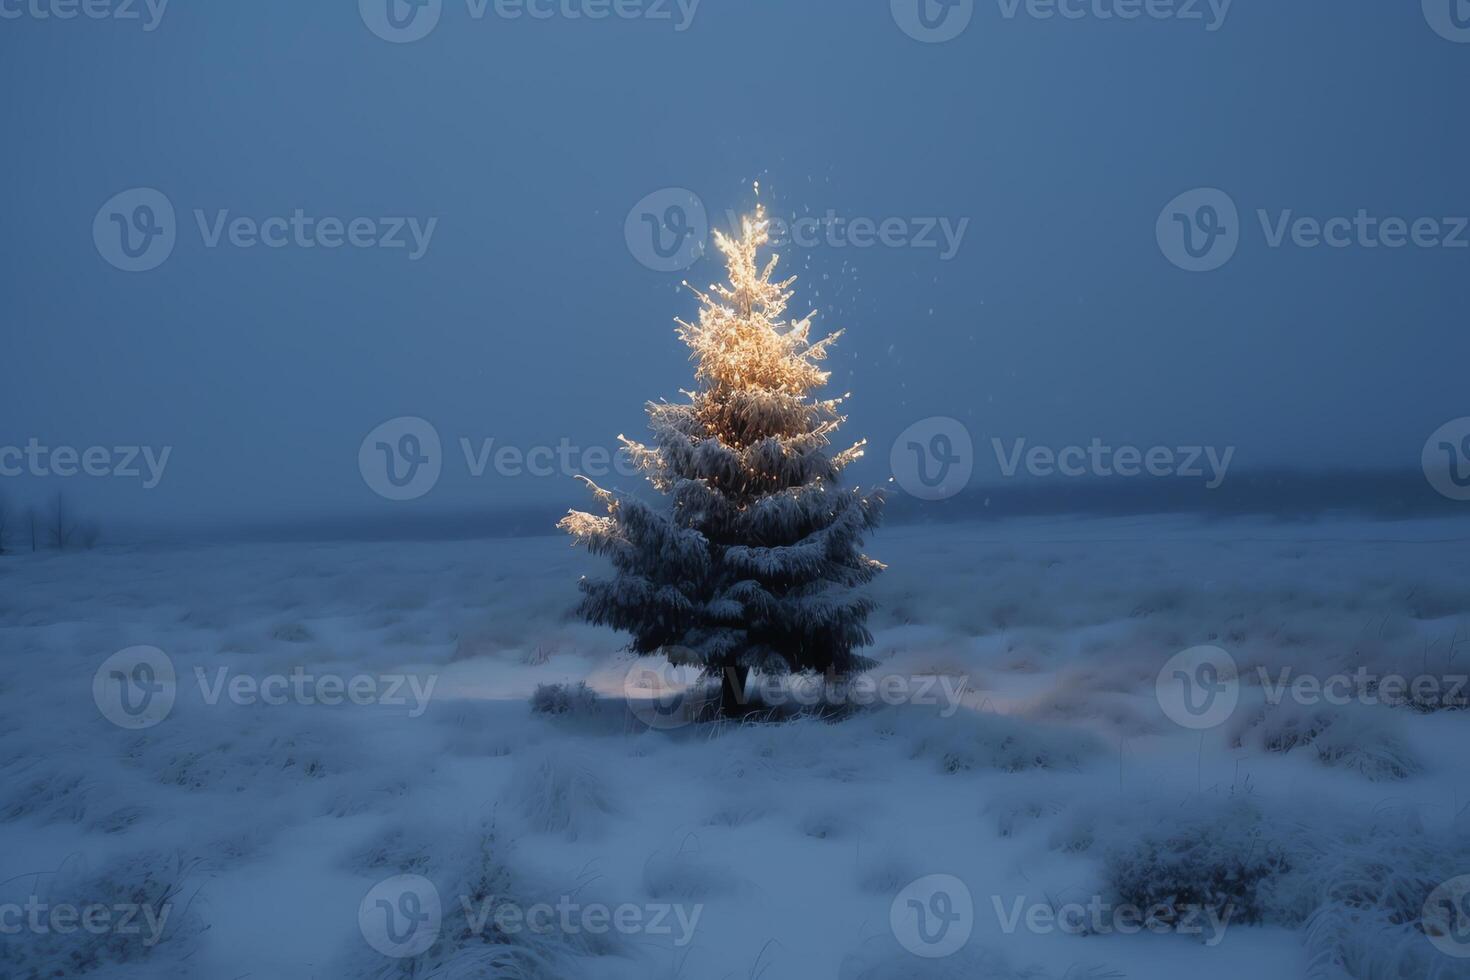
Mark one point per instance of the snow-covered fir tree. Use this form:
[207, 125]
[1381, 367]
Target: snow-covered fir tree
[757, 562]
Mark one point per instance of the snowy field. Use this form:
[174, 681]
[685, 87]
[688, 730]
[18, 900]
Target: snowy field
[353, 774]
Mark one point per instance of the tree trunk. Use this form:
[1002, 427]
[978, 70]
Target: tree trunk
[732, 690]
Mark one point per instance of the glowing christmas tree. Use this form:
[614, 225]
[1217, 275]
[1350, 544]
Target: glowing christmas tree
[756, 565]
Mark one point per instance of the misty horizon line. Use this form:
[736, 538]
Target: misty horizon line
[1273, 492]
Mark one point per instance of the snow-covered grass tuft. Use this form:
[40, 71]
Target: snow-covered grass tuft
[805, 748]
[1014, 814]
[885, 870]
[978, 740]
[739, 811]
[1370, 928]
[1078, 829]
[1372, 747]
[1357, 884]
[47, 791]
[477, 882]
[684, 875]
[563, 699]
[292, 633]
[478, 728]
[826, 822]
[227, 747]
[1371, 884]
[1205, 856]
[144, 903]
[559, 791]
[399, 848]
[1364, 739]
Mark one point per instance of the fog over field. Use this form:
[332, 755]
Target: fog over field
[698, 490]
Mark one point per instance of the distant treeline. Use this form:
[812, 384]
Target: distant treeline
[1282, 494]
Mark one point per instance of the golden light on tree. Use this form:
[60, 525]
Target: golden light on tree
[757, 564]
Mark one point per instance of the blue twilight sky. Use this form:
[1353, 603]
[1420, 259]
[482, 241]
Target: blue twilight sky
[1047, 146]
